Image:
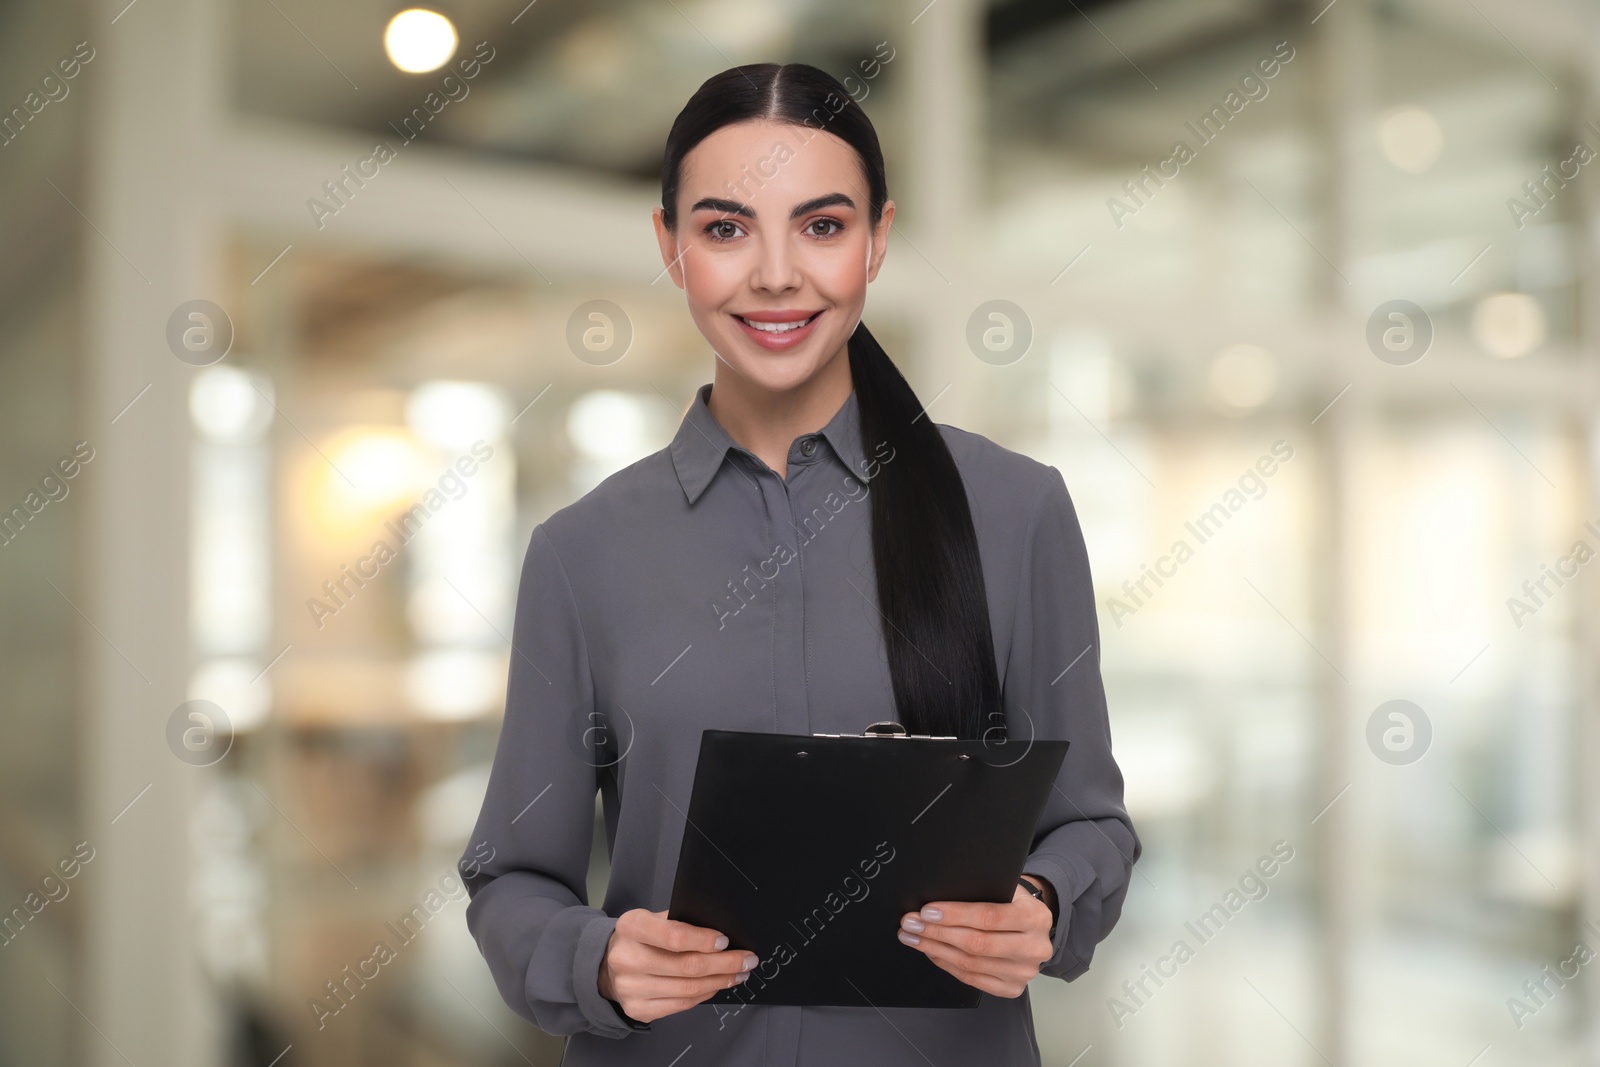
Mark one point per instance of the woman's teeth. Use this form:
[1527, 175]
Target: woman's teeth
[776, 327]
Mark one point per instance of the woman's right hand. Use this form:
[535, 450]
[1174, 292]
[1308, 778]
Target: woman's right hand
[656, 966]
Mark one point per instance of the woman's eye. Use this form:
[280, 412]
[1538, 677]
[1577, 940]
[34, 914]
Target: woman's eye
[722, 230]
[834, 223]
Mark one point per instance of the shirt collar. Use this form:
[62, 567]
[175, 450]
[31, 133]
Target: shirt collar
[701, 444]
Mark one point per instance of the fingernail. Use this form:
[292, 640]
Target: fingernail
[933, 915]
[910, 939]
[722, 942]
[751, 963]
[912, 924]
[741, 976]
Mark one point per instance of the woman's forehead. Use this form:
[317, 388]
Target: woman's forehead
[770, 164]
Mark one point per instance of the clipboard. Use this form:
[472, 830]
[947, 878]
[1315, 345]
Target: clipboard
[807, 850]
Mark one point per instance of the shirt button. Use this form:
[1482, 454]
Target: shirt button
[808, 446]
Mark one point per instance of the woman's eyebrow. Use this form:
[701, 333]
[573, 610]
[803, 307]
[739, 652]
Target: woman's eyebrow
[727, 207]
[734, 207]
[820, 202]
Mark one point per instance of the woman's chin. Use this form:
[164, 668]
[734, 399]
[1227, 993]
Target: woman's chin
[777, 371]
[766, 379]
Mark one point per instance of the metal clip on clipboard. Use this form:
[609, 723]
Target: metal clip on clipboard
[893, 729]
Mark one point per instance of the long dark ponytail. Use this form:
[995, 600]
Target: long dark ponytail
[924, 548]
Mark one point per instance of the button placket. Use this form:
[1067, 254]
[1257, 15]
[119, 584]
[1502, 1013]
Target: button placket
[789, 626]
[785, 1022]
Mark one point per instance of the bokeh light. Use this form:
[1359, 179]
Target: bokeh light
[418, 40]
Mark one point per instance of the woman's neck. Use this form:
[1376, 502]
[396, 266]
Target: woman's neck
[767, 422]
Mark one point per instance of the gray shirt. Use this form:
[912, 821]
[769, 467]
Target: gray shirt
[696, 589]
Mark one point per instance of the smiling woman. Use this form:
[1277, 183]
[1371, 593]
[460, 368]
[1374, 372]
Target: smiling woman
[745, 263]
[774, 219]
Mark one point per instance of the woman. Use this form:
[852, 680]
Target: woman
[809, 554]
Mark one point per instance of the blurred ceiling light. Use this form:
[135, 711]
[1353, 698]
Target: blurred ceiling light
[230, 406]
[1410, 138]
[366, 473]
[1242, 377]
[607, 424]
[1508, 325]
[419, 40]
[455, 415]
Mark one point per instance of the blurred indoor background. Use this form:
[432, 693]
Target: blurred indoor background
[267, 275]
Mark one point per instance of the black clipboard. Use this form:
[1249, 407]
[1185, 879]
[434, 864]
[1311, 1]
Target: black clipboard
[807, 850]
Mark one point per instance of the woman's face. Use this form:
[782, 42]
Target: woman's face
[774, 247]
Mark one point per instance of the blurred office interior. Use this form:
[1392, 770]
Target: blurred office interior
[1358, 313]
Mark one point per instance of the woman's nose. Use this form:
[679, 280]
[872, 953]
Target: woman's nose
[776, 267]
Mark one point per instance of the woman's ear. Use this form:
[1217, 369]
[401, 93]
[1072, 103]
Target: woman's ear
[880, 240]
[669, 248]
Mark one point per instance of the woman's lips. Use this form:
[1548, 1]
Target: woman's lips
[777, 339]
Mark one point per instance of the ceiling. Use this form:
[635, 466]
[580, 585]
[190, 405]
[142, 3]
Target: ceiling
[594, 83]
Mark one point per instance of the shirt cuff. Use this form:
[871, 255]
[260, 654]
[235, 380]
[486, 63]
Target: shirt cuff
[1068, 880]
[605, 1016]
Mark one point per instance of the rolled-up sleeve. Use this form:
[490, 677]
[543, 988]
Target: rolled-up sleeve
[1086, 845]
[526, 865]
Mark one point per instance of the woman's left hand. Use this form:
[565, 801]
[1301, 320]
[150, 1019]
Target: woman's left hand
[994, 947]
